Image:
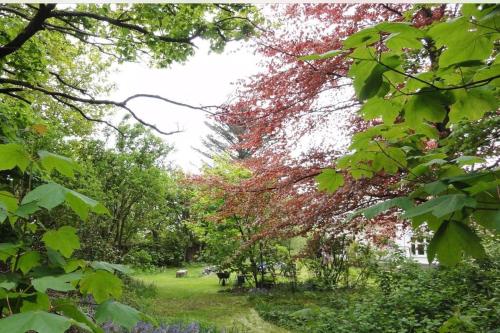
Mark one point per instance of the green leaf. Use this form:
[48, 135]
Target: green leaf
[426, 106]
[38, 321]
[472, 104]
[329, 180]
[8, 204]
[25, 210]
[118, 313]
[8, 250]
[378, 107]
[450, 32]
[8, 281]
[441, 205]
[412, 85]
[436, 187]
[482, 186]
[59, 283]
[70, 310]
[63, 240]
[363, 37]
[400, 41]
[398, 27]
[12, 155]
[368, 83]
[82, 204]
[110, 267]
[8, 200]
[102, 285]
[73, 264]
[51, 195]
[40, 302]
[489, 219]
[451, 240]
[389, 159]
[326, 55]
[55, 258]
[29, 260]
[479, 47]
[47, 196]
[372, 211]
[487, 73]
[62, 164]
[468, 160]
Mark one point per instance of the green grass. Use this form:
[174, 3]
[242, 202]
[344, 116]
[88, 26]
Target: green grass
[201, 299]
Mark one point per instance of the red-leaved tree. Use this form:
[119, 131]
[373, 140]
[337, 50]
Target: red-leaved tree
[299, 116]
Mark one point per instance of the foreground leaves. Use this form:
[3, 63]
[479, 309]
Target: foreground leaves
[38, 321]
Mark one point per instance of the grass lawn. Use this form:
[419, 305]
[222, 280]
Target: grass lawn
[201, 298]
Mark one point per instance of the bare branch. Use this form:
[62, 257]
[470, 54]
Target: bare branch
[60, 96]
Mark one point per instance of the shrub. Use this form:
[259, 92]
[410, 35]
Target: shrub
[405, 298]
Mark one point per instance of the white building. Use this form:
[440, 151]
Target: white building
[413, 246]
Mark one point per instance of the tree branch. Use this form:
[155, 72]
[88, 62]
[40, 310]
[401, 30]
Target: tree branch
[123, 104]
[123, 24]
[35, 25]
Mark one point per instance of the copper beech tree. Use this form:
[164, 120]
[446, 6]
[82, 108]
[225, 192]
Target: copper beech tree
[292, 103]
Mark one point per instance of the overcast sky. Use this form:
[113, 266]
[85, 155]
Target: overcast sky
[205, 79]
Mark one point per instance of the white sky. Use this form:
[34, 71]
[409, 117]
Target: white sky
[205, 79]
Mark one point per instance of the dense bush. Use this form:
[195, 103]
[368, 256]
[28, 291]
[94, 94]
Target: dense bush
[405, 298]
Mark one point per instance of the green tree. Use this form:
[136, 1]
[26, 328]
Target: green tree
[56, 58]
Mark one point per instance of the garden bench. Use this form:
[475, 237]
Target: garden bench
[181, 273]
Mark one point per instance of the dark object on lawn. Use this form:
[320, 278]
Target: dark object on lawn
[223, 276]
[181, 273]
[240, 280]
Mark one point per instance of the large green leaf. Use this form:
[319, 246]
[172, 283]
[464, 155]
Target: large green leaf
[450, 32]
[8, 204]
[363, 37]
[110, 267]
[451, 240]
[479, 47]
[82, 204]
[489, 219]
[62, 164]
[12, 155]
[368, 79]
[47, 196]
[472, 104]
[28, 260]
[400, 27]
[400, 41]
[442, 205]
[63, 240]
[8, 200]
[58, 283]
[487, 73]
[329, 180]
[39, 301]
[70, 310]
[8, 250]
[426, 106]
[51, 195]
[38, 321]
[372, 211]
[102, 285]
[378, 107]
[390, 159]
[118, 313]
